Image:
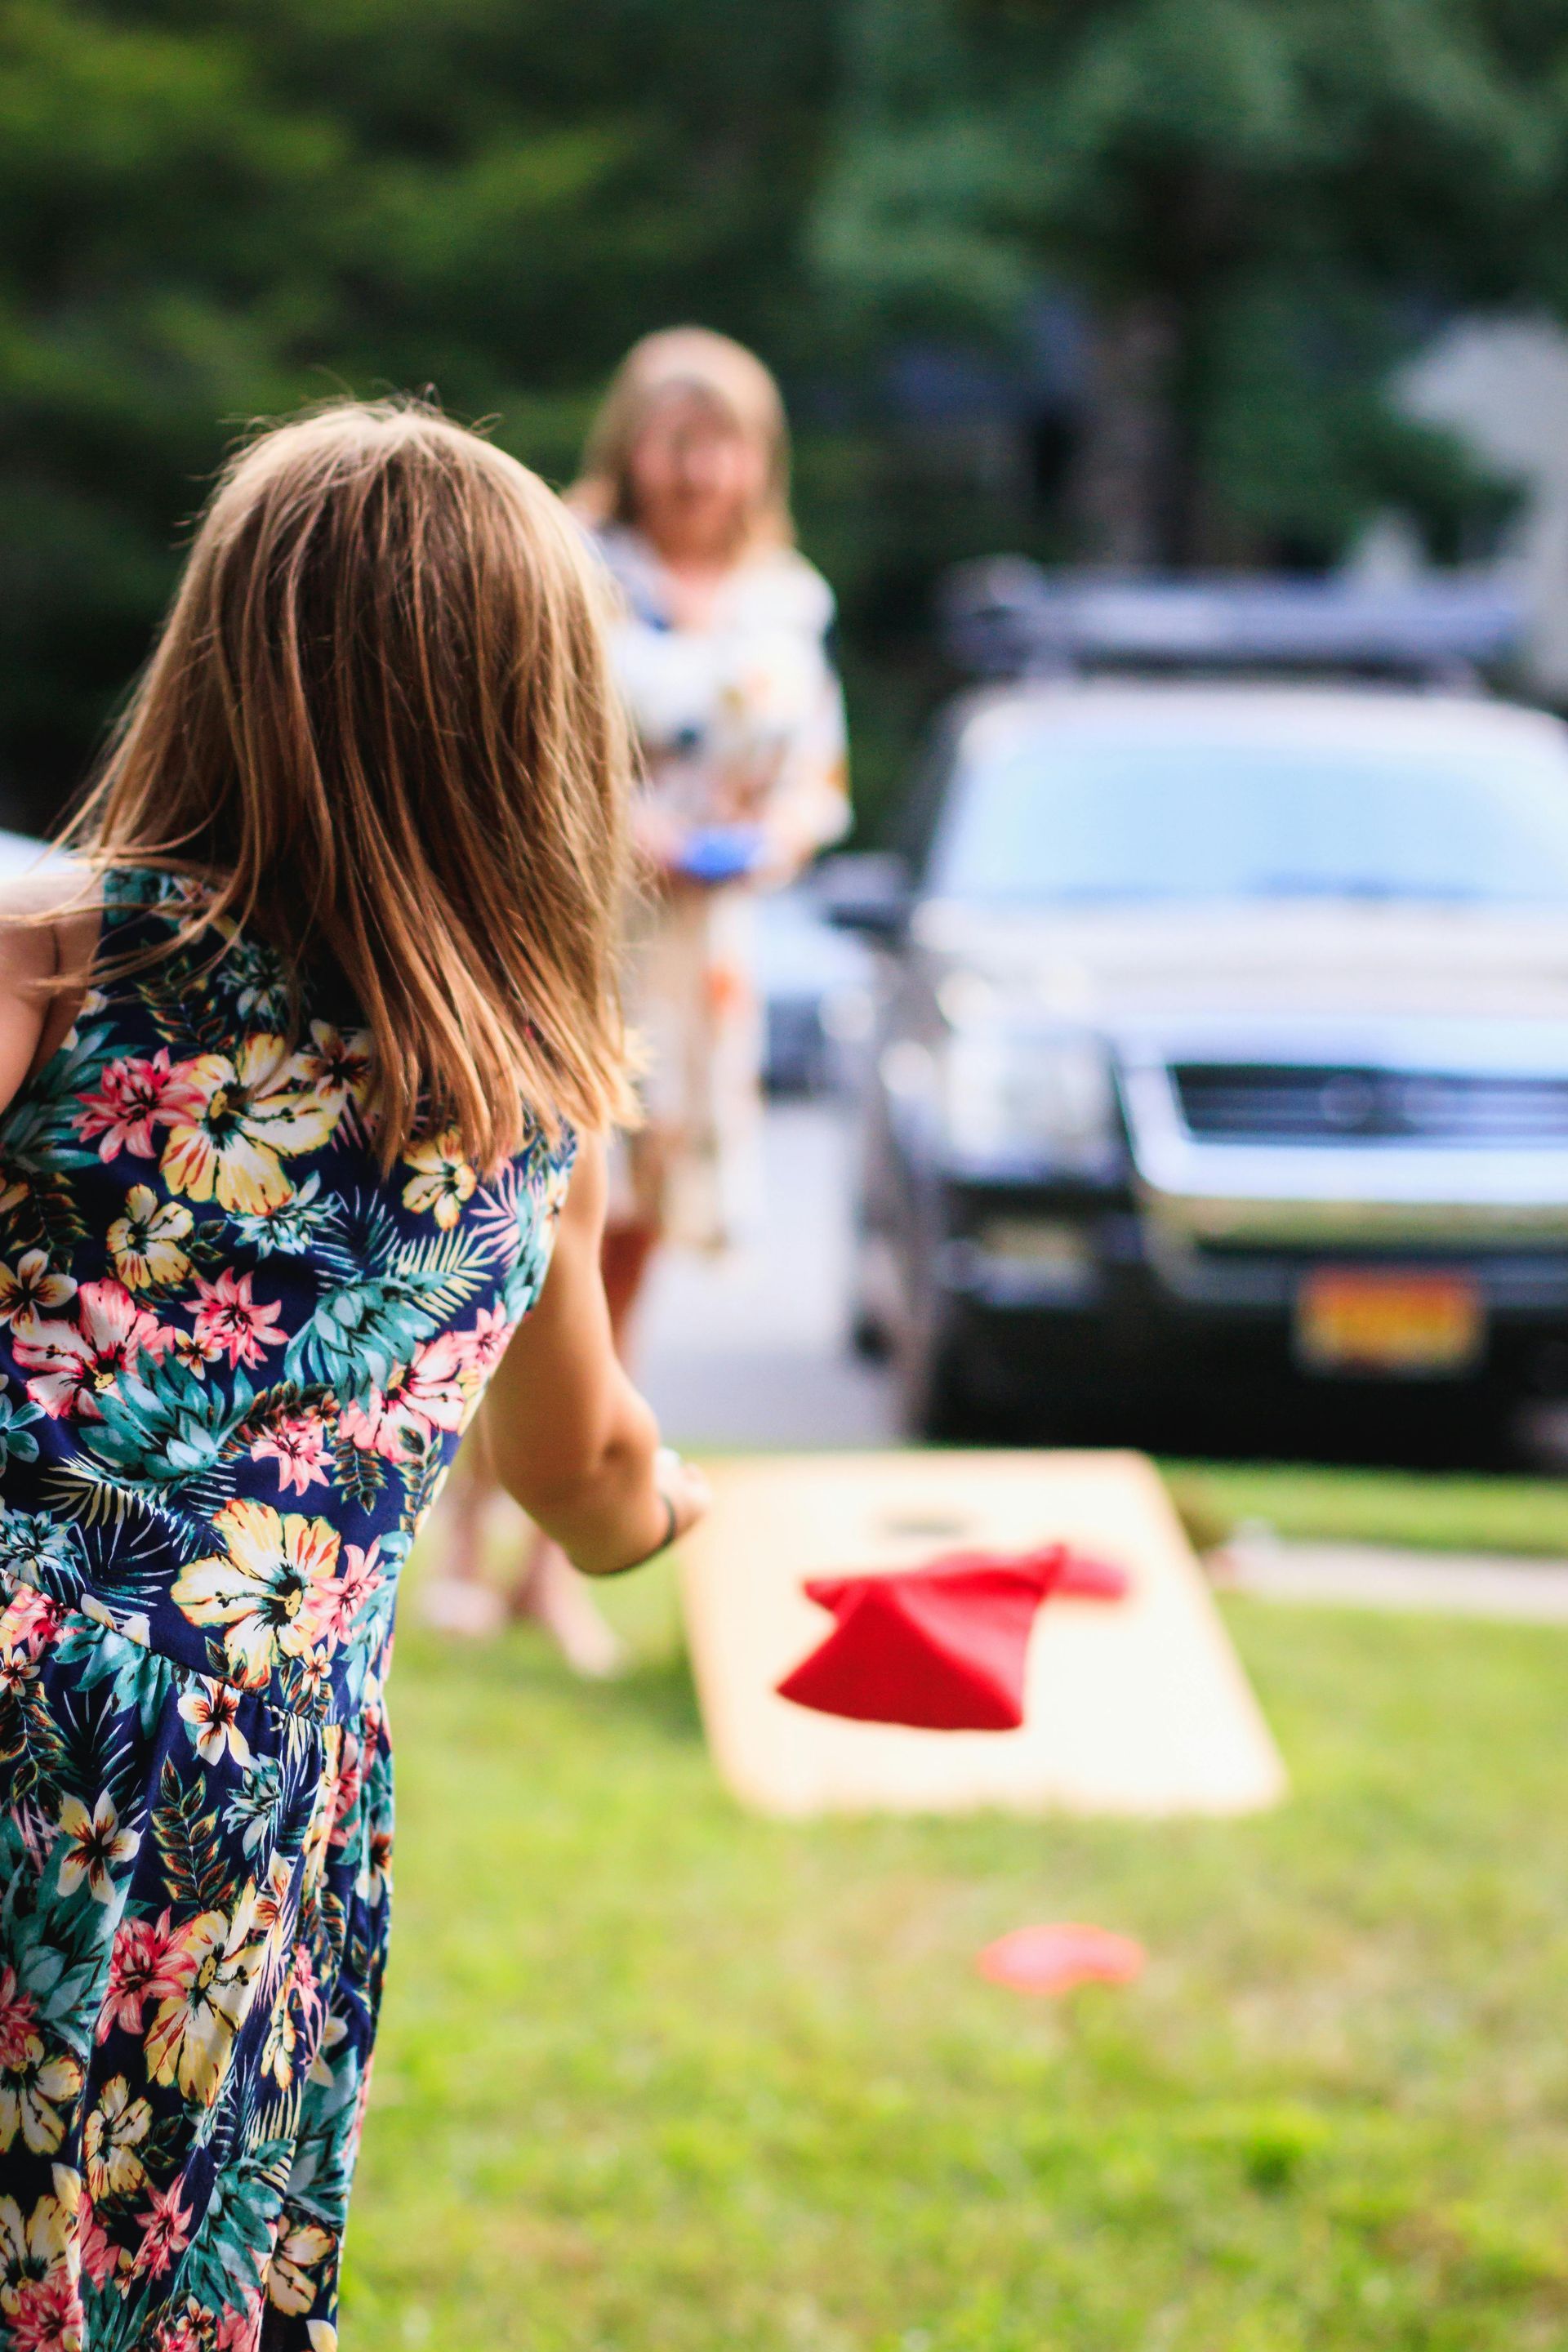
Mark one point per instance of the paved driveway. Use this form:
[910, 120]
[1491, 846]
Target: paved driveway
[750, 1351]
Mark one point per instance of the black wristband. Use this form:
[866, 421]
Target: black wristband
[642, 1560]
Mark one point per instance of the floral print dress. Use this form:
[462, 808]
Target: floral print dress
[235, 1361]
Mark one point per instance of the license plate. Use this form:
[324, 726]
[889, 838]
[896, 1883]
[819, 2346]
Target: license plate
[1393, 1321]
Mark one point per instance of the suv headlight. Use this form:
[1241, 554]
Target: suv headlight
[1009, 1091]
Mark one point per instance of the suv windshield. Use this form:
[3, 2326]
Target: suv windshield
[1081, 813]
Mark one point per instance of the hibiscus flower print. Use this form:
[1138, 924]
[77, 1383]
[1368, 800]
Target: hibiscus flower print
[233, 1121]
[184, 1349]
[314, 1675]
[18, 2022]
[486, 1344]
[129, 1099]
[42, 2242]
[300, 1445]
[229, 1322]
[18, 1668]
[351, 1783]
[92, 1846]
[301, 2244]
[165, 2232]
[239, 2328]
[35, 2262]
[99, 2255]
[444, 1179]
[207, 1982]
[37, 2291]
[335, 1064]
[33, 2083]
[431, 1392]
[271, 1591]
[145, 1241]
[190, 2329]
[73, 1364]
[115, 2129]
[135, 1972]
[361, 1577]
[30, 1289]
[46, 2313]
[210, 1711]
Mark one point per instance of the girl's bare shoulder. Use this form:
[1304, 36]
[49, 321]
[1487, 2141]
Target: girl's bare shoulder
[50, 915]
[49, 922]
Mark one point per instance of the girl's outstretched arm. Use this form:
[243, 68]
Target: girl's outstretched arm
[567, 1433]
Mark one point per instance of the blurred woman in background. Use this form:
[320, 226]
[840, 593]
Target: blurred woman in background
[721, 652]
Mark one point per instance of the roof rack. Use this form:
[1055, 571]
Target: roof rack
[1006, 617]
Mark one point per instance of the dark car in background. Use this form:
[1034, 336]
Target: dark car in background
[1221, 1045]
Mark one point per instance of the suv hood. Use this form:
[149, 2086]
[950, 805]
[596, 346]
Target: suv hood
[1275, 964]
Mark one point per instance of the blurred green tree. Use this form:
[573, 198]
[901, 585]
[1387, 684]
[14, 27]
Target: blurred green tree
[213, 209]
[1258, 204]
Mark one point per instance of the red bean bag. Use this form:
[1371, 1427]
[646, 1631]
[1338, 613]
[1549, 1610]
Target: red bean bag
[940, 1647]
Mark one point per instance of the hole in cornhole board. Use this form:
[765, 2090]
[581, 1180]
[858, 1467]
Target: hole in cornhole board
[1139, 1708]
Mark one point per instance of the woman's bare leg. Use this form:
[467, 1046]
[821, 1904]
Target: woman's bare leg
[459, 1601]
[625, 1256]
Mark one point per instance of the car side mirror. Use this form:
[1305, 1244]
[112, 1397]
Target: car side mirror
[866, 891]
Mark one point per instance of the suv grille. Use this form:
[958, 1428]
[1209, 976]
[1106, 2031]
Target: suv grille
[1256, 1102]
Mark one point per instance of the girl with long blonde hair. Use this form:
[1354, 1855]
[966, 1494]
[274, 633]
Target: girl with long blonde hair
[305, 1066]
[721, 650]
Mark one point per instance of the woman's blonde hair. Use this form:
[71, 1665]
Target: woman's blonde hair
[380, 723]
[686, 362]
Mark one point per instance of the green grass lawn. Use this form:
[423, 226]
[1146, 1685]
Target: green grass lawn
[1436, 1511]
[656, 2076]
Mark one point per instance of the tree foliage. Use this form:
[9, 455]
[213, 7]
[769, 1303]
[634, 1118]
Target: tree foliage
[214, 209]
[1258, 201]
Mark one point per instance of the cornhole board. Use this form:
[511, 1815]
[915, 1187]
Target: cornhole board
[1135, 1706]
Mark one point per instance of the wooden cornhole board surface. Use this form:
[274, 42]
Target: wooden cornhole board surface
[1138, 1706]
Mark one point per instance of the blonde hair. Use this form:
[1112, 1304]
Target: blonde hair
[379, 722]
[696, 362]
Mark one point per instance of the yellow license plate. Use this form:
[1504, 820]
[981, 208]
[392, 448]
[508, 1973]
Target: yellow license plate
[1361, 1319]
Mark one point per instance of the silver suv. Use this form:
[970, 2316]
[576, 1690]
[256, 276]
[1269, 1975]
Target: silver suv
[1222, 1046]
